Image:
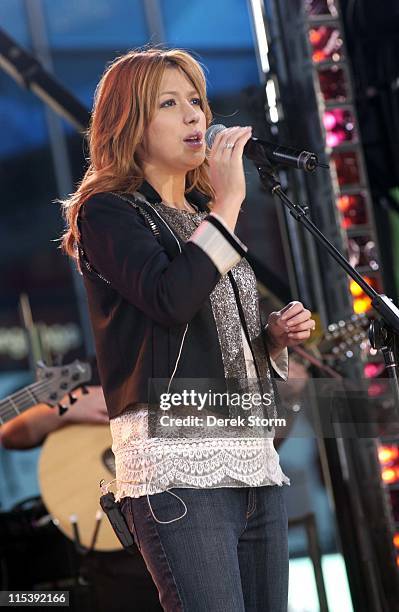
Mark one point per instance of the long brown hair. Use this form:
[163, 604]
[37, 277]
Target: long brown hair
[125, 101]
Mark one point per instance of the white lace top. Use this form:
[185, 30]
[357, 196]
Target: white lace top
[152, 465]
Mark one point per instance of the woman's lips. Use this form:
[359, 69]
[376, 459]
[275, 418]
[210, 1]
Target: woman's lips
[194, 144]
[195, 140]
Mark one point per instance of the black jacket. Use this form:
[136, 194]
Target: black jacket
[140, 315]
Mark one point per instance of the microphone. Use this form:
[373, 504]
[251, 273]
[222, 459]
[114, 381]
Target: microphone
[263, 152]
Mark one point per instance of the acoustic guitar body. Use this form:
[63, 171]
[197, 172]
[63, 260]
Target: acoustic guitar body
[73, 461]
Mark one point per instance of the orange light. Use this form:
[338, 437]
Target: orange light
[390, 475]
[318, 56]
[387, 454]
[396, 540]
[344, 202]
[361, 305]
[315, 36]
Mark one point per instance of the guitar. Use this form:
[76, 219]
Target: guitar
[52, 385]
[73, 461]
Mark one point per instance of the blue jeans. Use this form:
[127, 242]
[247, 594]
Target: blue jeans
[227, 553]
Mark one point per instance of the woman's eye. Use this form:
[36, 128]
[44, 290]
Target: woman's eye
[167, 103]
[196, 101]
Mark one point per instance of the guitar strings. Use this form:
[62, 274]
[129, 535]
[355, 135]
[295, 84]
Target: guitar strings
[40, 386]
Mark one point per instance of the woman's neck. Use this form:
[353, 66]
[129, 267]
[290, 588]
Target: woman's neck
[170, 188]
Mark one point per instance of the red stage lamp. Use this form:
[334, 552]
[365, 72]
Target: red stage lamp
[353, 209]
[326, 43]
[372, 370]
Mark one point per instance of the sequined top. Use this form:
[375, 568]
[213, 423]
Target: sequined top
[148, 465]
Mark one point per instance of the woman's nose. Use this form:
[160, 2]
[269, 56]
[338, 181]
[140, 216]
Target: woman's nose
[191, 115]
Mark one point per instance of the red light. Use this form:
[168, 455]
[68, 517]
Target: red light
[353, 208]
[388, 454]
[318, 56]
[315, 36]
[326, 43]
[376, 389]
[372, 370]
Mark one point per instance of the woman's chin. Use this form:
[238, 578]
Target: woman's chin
[195, 161]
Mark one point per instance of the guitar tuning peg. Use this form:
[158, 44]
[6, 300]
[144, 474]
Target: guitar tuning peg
[84, 390]
[62, 409]
[72, 399]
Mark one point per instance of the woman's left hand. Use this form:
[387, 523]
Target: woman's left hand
[289, 326]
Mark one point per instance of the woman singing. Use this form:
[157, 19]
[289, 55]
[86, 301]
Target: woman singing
[172, 297]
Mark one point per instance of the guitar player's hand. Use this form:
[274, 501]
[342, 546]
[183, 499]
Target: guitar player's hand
[89, 408]
[30, 428]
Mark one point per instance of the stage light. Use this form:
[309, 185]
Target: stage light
[396, 540]
[347, 168]
[326, 43]
[390, 475]
[260, 32]
[361, 301]
[355, 289]
[353, 209]
[333, 85]
[339, 126]
[271, 96]
[372, 370]
[388, 453]
[329, 120]
[362, 304]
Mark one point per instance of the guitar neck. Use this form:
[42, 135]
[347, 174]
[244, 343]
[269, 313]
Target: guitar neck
[18, 402]
[54, 384]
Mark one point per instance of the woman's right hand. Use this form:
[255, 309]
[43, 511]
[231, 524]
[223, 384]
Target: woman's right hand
[226, 172]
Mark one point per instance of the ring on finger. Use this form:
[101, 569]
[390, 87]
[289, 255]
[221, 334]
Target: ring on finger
[229, 145]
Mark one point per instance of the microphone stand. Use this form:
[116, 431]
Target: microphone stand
[377, 590]
[383, 332]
